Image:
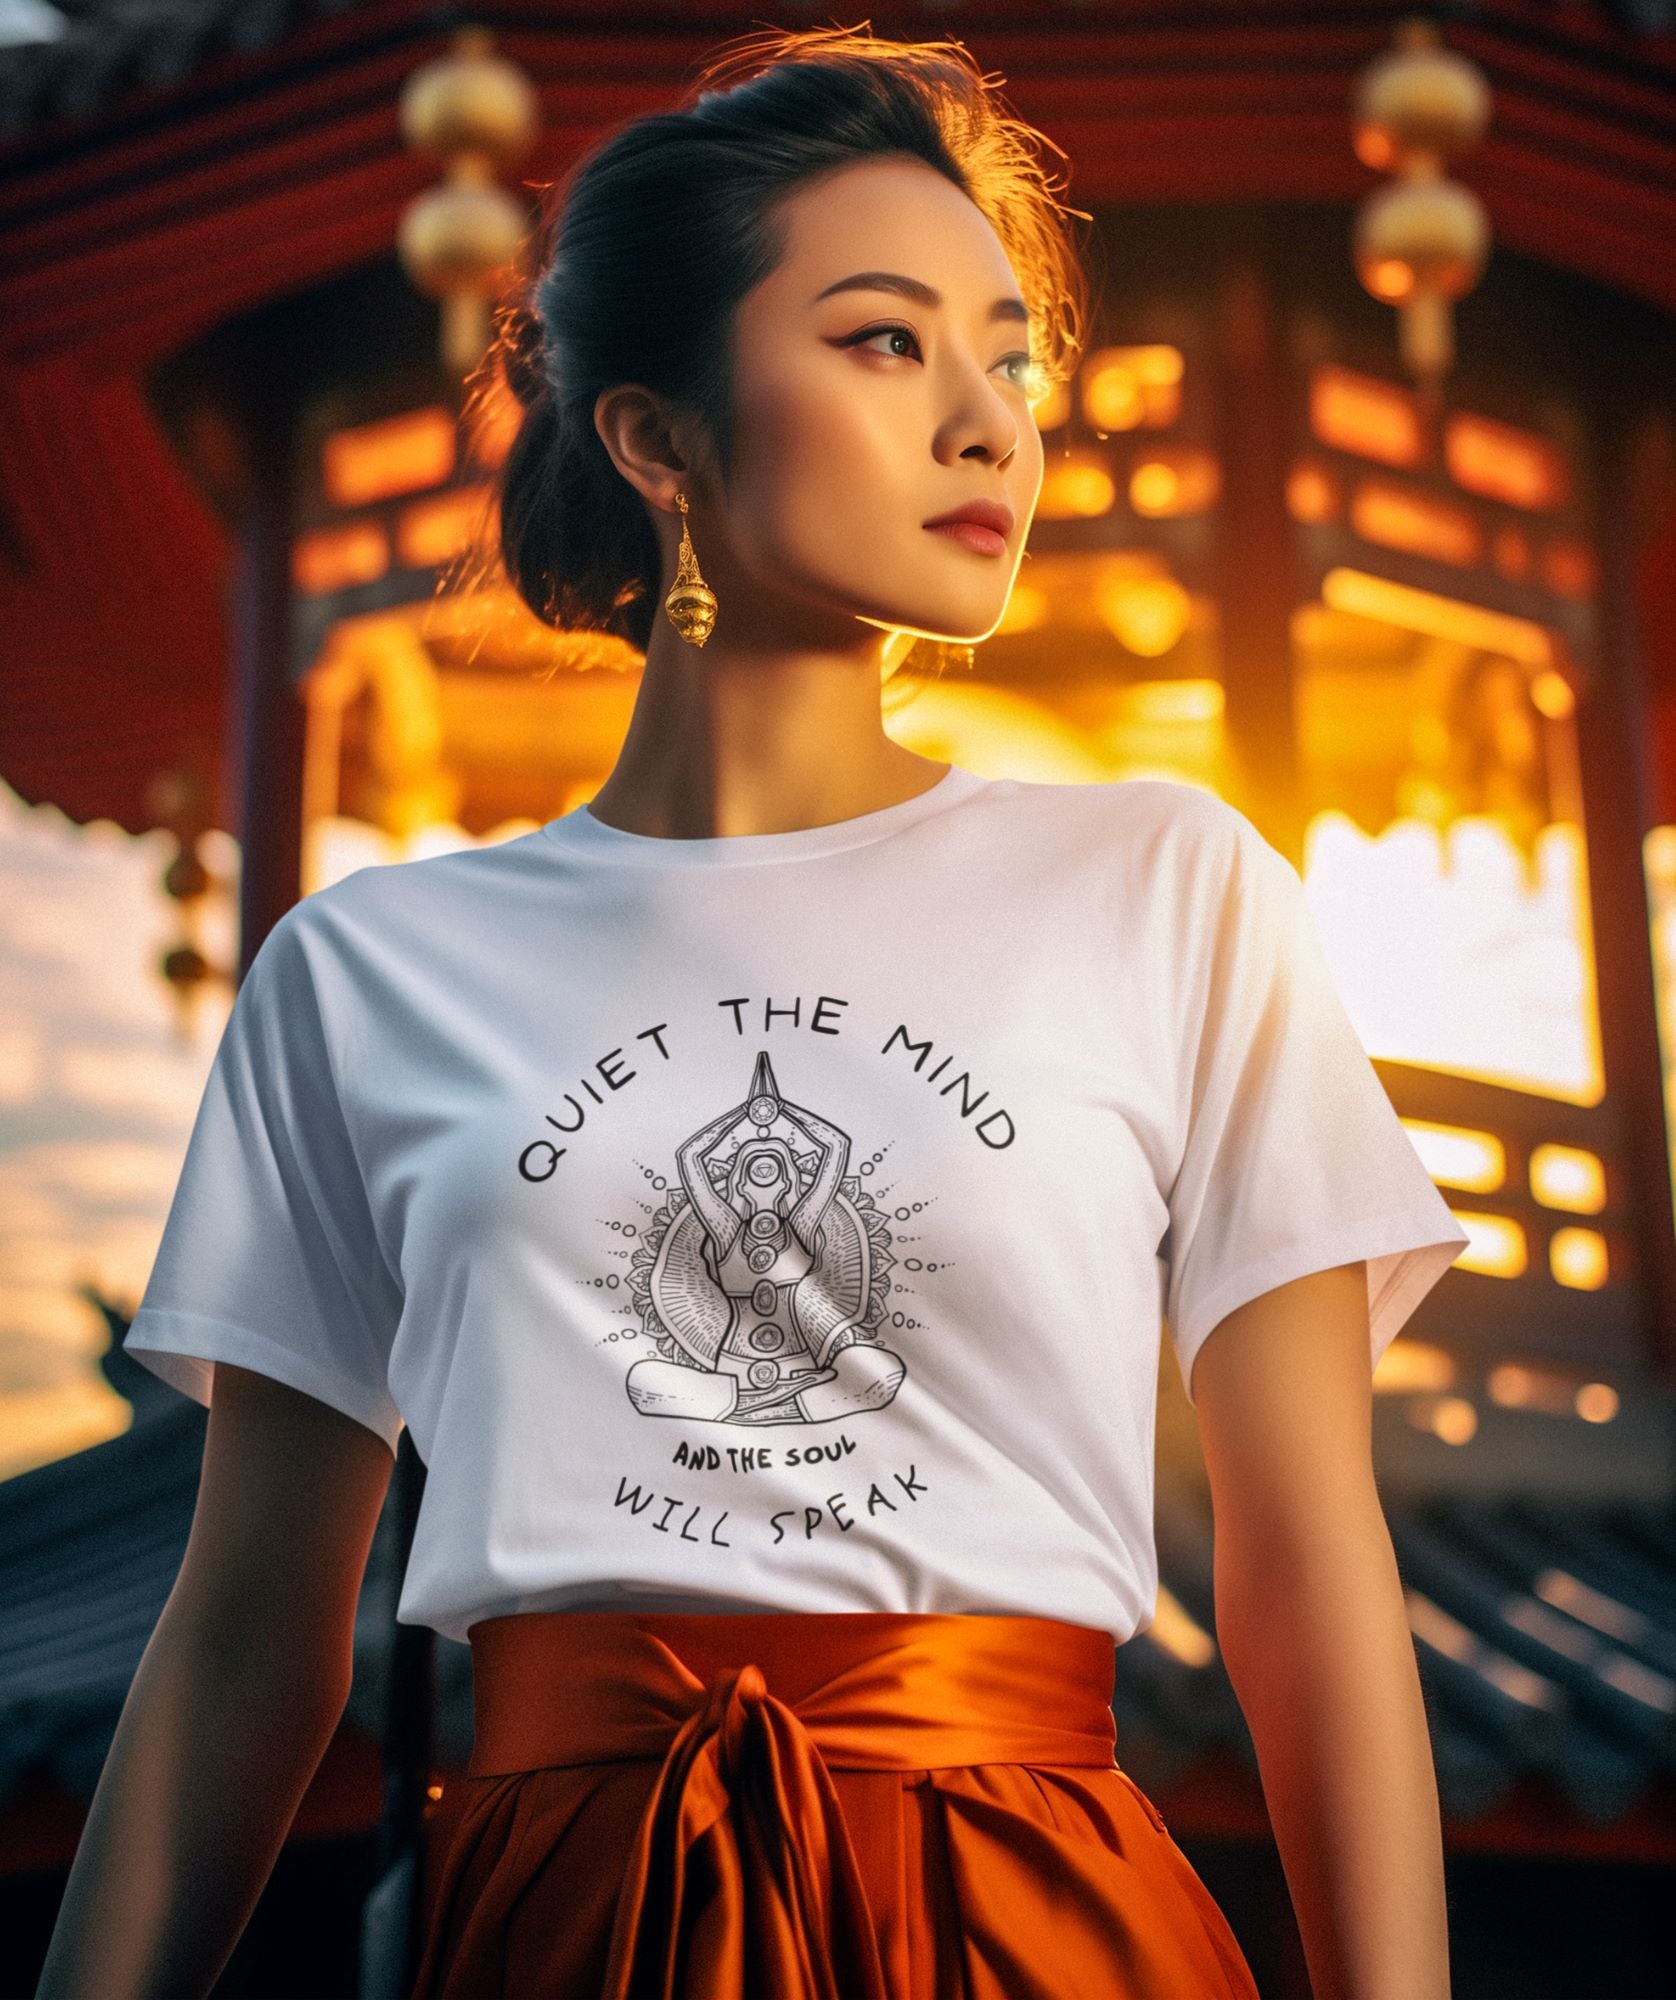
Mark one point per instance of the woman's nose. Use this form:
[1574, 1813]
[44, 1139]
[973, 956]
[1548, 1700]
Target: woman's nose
[980, 421]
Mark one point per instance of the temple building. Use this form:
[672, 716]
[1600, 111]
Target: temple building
[1373, 539]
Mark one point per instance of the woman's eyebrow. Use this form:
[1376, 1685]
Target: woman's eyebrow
[915, 289]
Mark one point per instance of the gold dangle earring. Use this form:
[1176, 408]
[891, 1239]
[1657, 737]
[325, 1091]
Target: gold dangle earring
[691, 603]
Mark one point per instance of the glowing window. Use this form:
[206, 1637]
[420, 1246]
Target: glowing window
[1312, 492]
[394, 455]
[1051, 409]
[1444, 617]
[340, 558]
[1361, 414]
[1399, 517]
[430, 531]
[1166, 484]
[1458, 1158]
[1077, 485]
[1568, 1177]
[1503, 463]
[1445, 852]
[1124, 388]
[1577, 1258]
[1495, 1245]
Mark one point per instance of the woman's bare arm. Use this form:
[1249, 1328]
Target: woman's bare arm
[1312, 1625]
[238, 1692]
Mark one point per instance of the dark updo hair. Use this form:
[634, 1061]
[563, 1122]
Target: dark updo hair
[662, 228]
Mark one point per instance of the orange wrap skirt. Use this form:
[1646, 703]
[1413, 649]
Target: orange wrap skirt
[806, 1806]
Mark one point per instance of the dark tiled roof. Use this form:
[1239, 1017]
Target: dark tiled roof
[117, 48]
[1546, 1640]
[114, 48]
[89, 1549]
[1546, 1633]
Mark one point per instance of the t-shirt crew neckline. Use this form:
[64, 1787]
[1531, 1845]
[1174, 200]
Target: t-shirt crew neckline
[581, 832]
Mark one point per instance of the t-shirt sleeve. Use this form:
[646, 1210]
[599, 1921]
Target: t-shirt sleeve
[1294, 1159]
[269, 1256]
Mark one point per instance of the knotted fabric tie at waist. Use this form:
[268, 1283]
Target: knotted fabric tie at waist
[742, 1856]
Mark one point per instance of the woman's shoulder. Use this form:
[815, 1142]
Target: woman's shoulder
[385, 911]
[1159, 822]
[420, 882]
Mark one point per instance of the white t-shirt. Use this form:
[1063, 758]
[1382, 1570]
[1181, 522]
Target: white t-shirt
[784, 1221]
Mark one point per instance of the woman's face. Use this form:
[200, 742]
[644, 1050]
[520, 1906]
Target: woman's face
[865, 410]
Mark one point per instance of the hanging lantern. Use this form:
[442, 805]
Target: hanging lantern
[477, 113]
[1420, 243]
[179, 800]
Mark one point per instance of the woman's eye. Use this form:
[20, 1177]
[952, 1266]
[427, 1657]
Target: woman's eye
[1027, 377]
[885, 333]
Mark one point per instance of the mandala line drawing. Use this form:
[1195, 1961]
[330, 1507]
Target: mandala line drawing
[764, 1277]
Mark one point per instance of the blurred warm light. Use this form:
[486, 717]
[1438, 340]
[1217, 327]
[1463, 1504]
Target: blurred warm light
[1569, 568]
[1597, 1402]
[103, 1077]
[1590, 1606]
[1428, 1620]
[1577, 1258]
[432, 531]
[1510, 551]
[1658, 856]
[491, 421]
[1361, 414]
[45, 1425]
[1148, 614]
[999, 731]
[102, 1068]
[1450, 1419]
[461, 626]
[1179, 1633]
[1455, 950]
[1503, 463]
[1370, 596]
[1027, 608]
[1645, 1685]
[1495, 1244]
[1550, 1389]
[394, 455]
[1053, 407]
[335, 846]
[410, 733]
[1312, 492]
[1175, 702]
[23, 1062]
[1400, 517]
[1552, 695]
[1168, 484]
[1456, 1157]
[1390, 279]
[1123, 387]
[1516, 1385]
[1568, 1177]
[339, 558]
[1078, 485]
[1408, 1365]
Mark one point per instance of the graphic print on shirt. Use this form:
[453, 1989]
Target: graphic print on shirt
[764, 1277]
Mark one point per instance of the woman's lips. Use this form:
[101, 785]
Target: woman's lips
[981, 541]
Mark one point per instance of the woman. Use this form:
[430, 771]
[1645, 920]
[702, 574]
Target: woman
[790, 1458]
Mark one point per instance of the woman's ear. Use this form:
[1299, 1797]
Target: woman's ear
[638, 428]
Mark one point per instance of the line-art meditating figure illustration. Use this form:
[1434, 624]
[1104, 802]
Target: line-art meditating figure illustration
[766, 1277]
